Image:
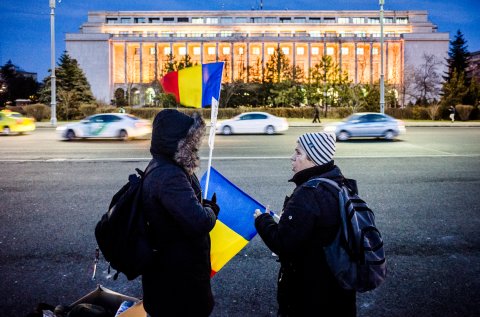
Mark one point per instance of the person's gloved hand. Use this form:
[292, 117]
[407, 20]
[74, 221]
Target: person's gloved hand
[212, 204]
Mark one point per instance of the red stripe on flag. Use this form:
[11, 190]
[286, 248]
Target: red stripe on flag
[169, 83]
[212, 273]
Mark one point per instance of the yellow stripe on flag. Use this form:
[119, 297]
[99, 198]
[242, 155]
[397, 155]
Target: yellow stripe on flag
[226, 243]
[190, 86]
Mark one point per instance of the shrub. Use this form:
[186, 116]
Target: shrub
[464, 111]
[87, 109]
[38, 111]
[433, 111]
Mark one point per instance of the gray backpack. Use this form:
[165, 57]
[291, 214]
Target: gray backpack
[356, 257]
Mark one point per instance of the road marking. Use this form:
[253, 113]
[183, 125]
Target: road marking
[230, 158]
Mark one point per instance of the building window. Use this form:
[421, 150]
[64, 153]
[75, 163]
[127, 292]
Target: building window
[343, 20]
[240, 51]
[168, 20]
[375, 51]
[196, 50]
[330, 51]
[137, 33]
[270, 50]
[182, 50]
[402, 20]
[358, 20]
[226, 20]
[256, 50]
[166, 50]
[241, 20]
[373, 21]
[226, 50]
[360, 51]
[286, 50]
[152, 50]
[328, 20]
[314, 20]
[300, 51]
[388, 20]
[125, 20]
[182, 20]
[210, 34]
[153, 20]
[123, 32]
[315, 51]
[111, 20]
[285, 20]
[316, 34]
[360, 34]
[255, 20]
[211, 21]
[136, 51]
[226, 33]
[344, 50]
[299, 20]
[211, 50]
[270, 20]
[197, 20]
[139, 20]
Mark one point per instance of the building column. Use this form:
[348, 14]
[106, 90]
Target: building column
[156, 61]
[141, 62]
[340, 56]
[356, 63]
[309, 56]
[216, 52]
[371, 63]
[294, 57]
[232, 58]
[170, 57]
[186, 50]
[263, 61]
[125, 64]
[248, 61]
[324, 45]
[386, 62]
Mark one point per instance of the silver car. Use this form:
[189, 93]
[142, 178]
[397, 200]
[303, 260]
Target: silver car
[106, 125]
[367, 124]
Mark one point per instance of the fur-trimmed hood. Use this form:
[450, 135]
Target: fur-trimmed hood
[178, 136]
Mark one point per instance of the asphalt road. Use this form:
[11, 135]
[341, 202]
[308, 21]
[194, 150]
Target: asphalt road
[424, 189]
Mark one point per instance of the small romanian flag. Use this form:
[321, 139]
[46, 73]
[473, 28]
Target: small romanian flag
[195, 86]
[235, 225]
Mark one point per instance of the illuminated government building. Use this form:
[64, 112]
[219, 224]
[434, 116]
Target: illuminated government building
[129, 49]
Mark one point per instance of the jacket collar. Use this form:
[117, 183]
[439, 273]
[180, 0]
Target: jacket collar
[328, 170]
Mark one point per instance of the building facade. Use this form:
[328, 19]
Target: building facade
[127, 51]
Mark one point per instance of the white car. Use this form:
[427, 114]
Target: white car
[106, 125]
[252, 122]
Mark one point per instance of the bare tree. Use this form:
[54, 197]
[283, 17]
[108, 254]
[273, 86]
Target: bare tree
[427, 80]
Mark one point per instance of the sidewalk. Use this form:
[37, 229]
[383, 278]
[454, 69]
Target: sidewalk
[294, 122]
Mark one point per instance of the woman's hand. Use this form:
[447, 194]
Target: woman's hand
[257, 213]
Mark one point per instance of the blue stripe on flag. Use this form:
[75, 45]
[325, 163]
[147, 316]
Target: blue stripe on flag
[211, 81]
[236, 207]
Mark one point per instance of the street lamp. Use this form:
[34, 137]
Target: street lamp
[53, 102]
[382, 83]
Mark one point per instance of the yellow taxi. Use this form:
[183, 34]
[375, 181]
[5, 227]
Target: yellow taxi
[14, 122]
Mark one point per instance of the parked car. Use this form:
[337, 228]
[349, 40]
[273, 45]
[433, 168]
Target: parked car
[14, 122]
[106, 125]
[252, 122]
[367, 124]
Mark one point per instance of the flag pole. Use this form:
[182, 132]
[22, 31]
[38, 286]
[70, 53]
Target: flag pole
[211, 137]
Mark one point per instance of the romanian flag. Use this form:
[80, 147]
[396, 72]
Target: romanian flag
[195, 86]
[235, 224]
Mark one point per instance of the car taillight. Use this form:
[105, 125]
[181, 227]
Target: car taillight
[19, 121]
[141, 124]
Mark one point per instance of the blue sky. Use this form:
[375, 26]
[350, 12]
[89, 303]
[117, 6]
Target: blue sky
[25, 24]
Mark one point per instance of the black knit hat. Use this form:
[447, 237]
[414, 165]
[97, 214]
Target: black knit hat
[169, 127]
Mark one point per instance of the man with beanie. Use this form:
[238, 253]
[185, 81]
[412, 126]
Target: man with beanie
[310, 221]
[177, 283]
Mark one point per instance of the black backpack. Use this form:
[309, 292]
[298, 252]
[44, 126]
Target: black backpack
[356, 257]
[121, 233]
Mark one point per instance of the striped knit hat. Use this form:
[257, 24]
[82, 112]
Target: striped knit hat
[320, 146]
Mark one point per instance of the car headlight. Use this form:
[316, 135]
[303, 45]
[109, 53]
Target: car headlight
[330, 128]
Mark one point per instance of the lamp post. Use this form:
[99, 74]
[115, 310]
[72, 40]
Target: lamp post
[53, 102]
[382, 83]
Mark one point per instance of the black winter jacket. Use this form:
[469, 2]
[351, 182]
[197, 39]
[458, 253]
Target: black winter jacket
[310, 220]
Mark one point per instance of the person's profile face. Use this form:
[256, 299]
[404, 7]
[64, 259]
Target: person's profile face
[300, 160]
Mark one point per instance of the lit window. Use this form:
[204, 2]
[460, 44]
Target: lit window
[358, 20]
[197, 20]
[211, 51]
[226, 50]
[375, 51]
[285, 50]
[226, 33]
[152, 50]
[240, 51]
[315, 50]
[256, 50]
[270, 50]
[182, 50]
[360, 50]
[402, 20]
[344, 50]
[300, 50]
[166, 51]
[316, 34]
[330, 51]
[388, 20]
[343, 20]
[211, 20]
[373, 20]
[196, 50]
